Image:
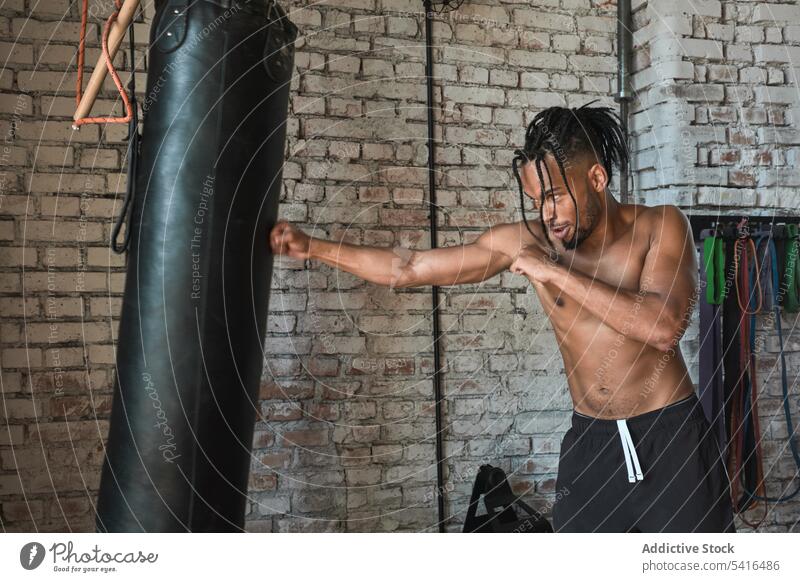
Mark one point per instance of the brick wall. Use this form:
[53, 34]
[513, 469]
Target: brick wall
[60, 286]
[358, 437]
[716, 130]
[346, 438]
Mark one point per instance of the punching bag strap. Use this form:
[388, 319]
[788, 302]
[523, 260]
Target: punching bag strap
[133, 157]
[279, 46]
[171, 29]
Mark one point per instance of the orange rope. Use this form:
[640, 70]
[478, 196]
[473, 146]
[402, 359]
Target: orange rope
[736, 250]
[736, 464]
[112, 71]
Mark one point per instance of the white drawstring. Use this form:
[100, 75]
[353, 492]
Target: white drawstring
[630, 452]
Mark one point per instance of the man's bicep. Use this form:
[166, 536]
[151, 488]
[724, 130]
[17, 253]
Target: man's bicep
[455, 266]
[670, 267]
[470, 263]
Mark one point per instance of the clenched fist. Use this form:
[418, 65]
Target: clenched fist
[535, 263]
[287, 240]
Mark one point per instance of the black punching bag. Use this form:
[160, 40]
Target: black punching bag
[190, 346]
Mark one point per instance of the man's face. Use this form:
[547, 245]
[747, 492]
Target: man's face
[558, 211]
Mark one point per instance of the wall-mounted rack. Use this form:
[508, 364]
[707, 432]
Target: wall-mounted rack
[728, 224]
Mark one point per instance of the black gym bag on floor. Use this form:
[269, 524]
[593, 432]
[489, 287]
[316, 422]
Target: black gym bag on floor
[492, 483]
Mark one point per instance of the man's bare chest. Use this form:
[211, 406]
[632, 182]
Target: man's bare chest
[618, 268]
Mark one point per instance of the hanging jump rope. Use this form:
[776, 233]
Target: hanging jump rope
[131, 116]
[772, 266]
[744, 413]
[128, 103]
[133, 138]
[752, 278]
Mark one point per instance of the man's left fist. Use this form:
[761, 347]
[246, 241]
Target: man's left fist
[534, 264]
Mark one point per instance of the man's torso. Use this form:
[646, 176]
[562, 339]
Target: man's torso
[610, 374]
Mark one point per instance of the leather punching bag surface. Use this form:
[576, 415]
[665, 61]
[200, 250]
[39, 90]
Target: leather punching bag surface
[190, 345]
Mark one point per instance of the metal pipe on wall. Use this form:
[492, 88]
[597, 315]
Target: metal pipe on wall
[624, 93]
[437, 373]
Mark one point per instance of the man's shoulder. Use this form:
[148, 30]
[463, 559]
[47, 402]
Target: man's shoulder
[664, 222]
[667, 216]
[528, 231]
[510, 237]
[661, 210]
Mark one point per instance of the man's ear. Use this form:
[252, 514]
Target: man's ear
[598, 177]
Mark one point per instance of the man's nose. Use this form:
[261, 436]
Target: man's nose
[548, 212]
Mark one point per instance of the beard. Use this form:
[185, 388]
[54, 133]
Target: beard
[587, 224]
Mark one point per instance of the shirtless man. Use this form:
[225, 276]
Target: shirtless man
[618, 282]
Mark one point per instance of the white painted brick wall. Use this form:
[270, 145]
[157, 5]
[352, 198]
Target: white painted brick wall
[715, 129]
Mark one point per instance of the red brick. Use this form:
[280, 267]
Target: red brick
[274, 461]
[24, 511]
[305, 437]
[80, 406]
[262, 482]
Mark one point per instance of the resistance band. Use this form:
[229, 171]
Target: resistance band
[712, 389]
[745, 460]
[772, 262]
[791, 299]
[714, 263]
[765, 272]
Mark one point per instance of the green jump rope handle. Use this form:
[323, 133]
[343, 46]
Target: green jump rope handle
[714, 264]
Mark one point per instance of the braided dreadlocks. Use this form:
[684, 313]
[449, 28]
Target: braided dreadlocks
[563, 133]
